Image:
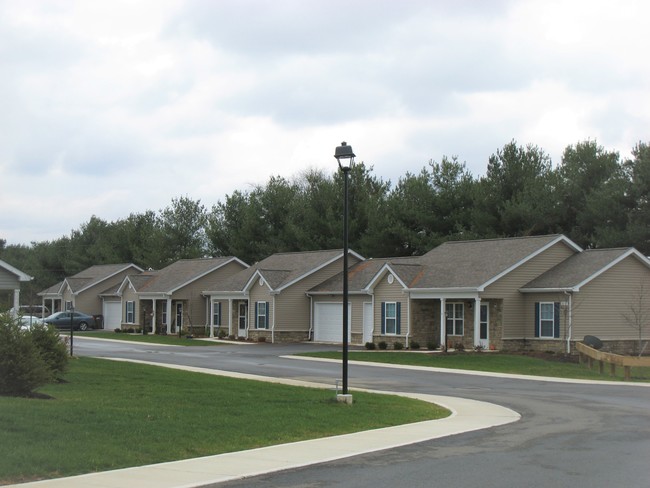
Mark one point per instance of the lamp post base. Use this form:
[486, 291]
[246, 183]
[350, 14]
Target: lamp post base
[344, 398]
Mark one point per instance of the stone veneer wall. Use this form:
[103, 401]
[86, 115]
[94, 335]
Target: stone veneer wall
[280, 336]
[425, 320]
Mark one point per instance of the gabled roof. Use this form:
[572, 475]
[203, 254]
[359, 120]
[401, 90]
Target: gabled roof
[280, 270]
[454, 265]
[178, 274]
[15, 271]
[580, 269]
[89, 277]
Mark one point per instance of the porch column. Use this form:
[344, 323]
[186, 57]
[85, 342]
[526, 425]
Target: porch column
[443, 324]
[211, 316]
[230, 312]
[477, 321]
[168, 305]
[153, 317]
[16, 301]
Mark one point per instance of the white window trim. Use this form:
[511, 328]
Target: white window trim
[393, 318]
[542, 320]
[132, 312]
[258, 315]
[216, 316]
[455, 319]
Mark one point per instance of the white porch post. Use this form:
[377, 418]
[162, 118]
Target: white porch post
[443, 324]
[230, 312]
[153, 317]
[168, 305]
[16, 301]
[211, 317]
[477, 321]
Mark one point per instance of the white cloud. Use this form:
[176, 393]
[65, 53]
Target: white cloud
[113, 107]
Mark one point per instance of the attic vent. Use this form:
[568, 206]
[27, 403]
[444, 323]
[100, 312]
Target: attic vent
[390, 279]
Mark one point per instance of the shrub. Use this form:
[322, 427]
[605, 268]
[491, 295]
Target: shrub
[370, 346]
[415, 345]
[382, 345]
[52, 350]
[232, 337]
[398, 346]
[459, 346]
[261, 339]
[221, 334]
[118, 331]
[432, 346]
[22, 367]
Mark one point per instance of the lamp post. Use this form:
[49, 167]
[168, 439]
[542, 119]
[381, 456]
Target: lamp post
[345, 158]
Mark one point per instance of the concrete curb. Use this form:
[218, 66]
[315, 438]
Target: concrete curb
[467, 415]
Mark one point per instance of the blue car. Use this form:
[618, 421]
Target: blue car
[62, 320]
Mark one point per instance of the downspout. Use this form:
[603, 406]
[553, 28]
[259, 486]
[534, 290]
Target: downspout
[570, 324]
[273, 323]
[311, 317]
[408, 320]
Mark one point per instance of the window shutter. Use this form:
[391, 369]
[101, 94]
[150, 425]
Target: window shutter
[398, 310]
[268, 316]
[383, 318]
[536, 319]
[219, 312]
[556, 320]
[257, 315]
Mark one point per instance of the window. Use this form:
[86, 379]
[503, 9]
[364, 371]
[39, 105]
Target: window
[164, 315]
[455, 314]
[547, 320]
[390, 318]
[262, 315]
[68, 305]
[130, 312]
[216, 313]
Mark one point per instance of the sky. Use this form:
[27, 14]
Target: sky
[109, 108]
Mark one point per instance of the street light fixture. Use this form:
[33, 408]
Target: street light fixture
[345, 158]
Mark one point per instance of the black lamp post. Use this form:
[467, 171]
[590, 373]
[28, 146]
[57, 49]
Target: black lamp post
[345, 157]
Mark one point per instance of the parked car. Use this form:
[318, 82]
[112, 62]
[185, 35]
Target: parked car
[27, 321]
[39, 311]
[80, 321]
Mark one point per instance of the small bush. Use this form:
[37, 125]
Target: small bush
[383, 345]
[459, 346]
[370, 346]
[432, 346]
[261, 339]
[221, 334]
[52, 350]
[415, 345]
[398, 346]
[232, 337]
[118, 331]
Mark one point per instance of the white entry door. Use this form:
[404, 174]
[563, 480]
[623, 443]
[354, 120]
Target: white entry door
[484, 326]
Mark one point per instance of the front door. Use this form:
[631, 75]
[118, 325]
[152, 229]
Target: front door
[243, 309]
[484, 326]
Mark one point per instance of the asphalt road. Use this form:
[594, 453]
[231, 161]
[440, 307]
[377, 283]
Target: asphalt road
[573, 435]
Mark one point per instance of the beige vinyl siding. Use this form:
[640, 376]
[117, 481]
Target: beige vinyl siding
[599, 307]
[293, 304]
[89, 301]
[515, 323]
[129, 295]
[260, 293]
[8, 281]
[387, 292]
[529, 312]
[195, 307]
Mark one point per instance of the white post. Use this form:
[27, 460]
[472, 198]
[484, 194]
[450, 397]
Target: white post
[477, 321]
[16, 301]
[211, 317]
[168, 305]
[153, 317]
[443, 324]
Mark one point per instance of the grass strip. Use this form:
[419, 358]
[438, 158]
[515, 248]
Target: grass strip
[170, 340]
[111, 415]
[489, 362]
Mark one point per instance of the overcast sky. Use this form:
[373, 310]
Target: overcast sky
[115, 107]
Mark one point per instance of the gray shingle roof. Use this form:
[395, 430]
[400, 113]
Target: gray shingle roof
[89, 277]
[576, 269]
[176, 275]
[279, 270]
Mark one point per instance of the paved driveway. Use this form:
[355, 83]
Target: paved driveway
[577, 435]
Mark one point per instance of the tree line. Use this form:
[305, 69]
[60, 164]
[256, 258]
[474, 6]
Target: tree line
[593, 196]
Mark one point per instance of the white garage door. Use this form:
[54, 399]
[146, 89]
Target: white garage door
[112, 315]
[328, 322]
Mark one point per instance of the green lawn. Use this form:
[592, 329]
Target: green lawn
[490, 362]
[171, 340]
[110, 415]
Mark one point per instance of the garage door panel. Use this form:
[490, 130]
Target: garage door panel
[328, 322]
[112, 315]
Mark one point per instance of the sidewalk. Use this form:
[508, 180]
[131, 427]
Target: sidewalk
[467, 415]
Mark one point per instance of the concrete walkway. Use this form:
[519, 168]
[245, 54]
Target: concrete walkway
[467, 415]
